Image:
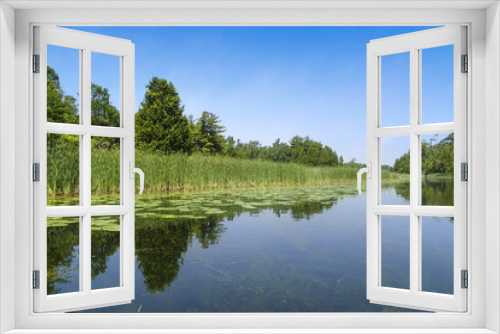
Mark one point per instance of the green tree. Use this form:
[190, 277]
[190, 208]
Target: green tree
[437, 158]
[160, 123]
[326, 157]
[230, 146]
[296, 149]
[279, 152]
[335, 158]
[208, 134]
[103, 112]
[61, 108]
[402, 164]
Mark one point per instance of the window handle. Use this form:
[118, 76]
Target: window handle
[368, 171]
[134, 170]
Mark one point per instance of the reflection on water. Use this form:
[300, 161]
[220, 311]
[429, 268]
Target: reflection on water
[434, 192]
[274, 250]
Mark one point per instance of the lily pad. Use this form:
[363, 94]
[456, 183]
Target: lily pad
[214, 211]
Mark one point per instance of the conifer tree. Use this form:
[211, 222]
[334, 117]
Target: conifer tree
[160, 122]
[209, 136]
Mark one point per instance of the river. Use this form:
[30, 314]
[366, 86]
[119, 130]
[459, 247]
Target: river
[258, 250]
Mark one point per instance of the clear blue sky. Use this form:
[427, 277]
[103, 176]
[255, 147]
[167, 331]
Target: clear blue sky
[277, 82]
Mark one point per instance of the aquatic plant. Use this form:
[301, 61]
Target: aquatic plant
[183, 172]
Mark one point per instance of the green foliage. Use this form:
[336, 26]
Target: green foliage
[103, 112]
[62, 238]
[63, 167]
[436, 158]
[61, 108]
[181, 171]
[301, 150]
[207, 134]
[105, 166]
[160, 123]
[178, 152]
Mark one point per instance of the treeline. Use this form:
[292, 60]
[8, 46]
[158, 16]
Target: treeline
[181, 152]
[437, 158]
[162, 126]
[299, 150]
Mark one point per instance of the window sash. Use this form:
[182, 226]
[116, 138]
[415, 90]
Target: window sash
[86, 297]
[413, 43]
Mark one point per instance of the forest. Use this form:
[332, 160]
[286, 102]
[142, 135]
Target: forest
[178, 152]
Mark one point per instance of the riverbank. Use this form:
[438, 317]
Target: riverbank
[181, 172]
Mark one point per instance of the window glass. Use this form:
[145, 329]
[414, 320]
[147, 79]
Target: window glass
[63, 170]
[105, 172]
[395, 245]
[437, 254]
[437, 84]
[105, 245]
[63, 85]
[437, 169]
[63, 262]
[395, 170]
[105, 90]
[395, 89]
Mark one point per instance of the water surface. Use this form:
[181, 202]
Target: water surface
[268, 250]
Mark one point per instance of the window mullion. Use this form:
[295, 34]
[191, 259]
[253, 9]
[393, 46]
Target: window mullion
[85, 167]
[414, 170]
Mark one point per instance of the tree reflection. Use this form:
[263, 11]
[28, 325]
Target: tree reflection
[62, 249]
[434, 192]
[103, 245]
[160, 243]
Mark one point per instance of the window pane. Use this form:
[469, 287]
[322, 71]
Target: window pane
[395, 243]
[105, 241]
[437, 169]
[105, 90]
[63, 255]
[437, 84]
[63, 84]
[437, 254]
[63, 170]
[395, 158]
[105, 171]
[395, 89]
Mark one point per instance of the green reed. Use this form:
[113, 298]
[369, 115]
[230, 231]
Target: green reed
[183, 172]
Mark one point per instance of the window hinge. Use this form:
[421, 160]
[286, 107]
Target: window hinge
[465, 279]
[36, 172]
[36, 63]
[36, 279]
[465, 64]
[464, 171]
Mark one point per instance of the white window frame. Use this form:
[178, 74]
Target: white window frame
[483, 211]
[413, 44]
[85, 44]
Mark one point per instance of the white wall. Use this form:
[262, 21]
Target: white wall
[7, 162]
[492, 163]
[479, 164]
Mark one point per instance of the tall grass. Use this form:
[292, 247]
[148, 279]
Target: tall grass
[63, 169]
[182, 172]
